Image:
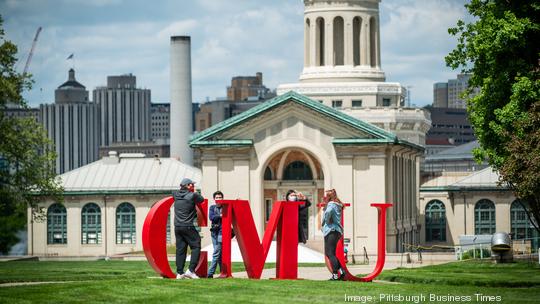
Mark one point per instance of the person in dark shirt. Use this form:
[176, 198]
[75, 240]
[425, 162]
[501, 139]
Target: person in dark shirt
[215, 229]
[303, 213]
[184, 229]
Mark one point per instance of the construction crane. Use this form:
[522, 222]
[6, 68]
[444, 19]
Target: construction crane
[31, 51]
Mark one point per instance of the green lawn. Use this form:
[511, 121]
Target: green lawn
[120, 282]
[471, 273]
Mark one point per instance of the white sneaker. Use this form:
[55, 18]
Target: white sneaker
[180, 276]
[190, 275]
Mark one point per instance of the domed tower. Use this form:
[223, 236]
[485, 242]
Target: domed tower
[342, 67]
[71, 123]
[341, 41]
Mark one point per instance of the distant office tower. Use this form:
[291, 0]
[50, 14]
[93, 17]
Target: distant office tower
[440, 95]
[17, 111]
[247, 87]
[181, 107]
[160, 120]
[72, 124]
[448, 94]
[244, 93]
[450, 125]
[125, 110]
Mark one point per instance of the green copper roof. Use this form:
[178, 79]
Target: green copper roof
[206, 135]
[223, 143]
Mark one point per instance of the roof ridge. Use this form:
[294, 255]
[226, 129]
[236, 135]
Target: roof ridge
[310, 103]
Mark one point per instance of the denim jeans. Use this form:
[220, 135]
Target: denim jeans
[216, 257]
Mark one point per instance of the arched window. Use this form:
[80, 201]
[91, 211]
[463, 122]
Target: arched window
[297, 170]
[91, 224]
[125, 224]
[435, 221]
[357, 27]
[268, 174]
[319, 36]
[521, 226]
[56, 224]
[484, 217]
[339, 41]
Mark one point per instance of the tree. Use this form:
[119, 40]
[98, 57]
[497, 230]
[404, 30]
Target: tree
[26, 166]
[501, 50]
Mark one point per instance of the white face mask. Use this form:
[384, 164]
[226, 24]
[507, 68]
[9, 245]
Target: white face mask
[293, 198]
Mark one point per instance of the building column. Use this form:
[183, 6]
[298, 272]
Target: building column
[377, 47]
[364, 44]
[349, 40]
[329, 41]
[313, 42]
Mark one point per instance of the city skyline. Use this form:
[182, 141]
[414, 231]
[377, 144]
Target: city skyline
[239, 38]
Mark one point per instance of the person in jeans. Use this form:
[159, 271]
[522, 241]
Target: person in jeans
[332, 231]
[215, 229]
[184, 229]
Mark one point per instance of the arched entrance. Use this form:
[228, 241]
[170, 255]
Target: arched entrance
[297, 169]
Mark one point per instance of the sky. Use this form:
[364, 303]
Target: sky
[229, 38]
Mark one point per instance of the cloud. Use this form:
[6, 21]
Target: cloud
[98, 3]
[178, 28]
[414, 42]
[229, 38]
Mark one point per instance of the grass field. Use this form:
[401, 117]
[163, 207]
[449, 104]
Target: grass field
[120, 282]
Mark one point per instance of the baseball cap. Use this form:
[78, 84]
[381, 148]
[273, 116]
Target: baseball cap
[186, 181]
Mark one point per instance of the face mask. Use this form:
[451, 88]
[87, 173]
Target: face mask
[293, 198]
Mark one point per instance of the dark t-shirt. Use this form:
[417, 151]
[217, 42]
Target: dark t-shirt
[184, 207]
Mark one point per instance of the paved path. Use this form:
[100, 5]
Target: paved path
[322, 273]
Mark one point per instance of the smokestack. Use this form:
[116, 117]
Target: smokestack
[181, 119]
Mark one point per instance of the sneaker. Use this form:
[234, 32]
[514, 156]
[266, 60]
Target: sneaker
[341, 273]
[180, 276]
[335, 277]
[209, 276]
[191, 275]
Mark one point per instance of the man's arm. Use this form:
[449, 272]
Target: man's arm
[213, 214]
[197, 198]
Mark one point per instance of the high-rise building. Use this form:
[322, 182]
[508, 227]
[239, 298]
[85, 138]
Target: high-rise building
[448, 94]
[72, 124]
[440, 95]
[124, 110]
[342, 68]
[244, 87]
[17, 111]
[160, 120]
[451, 125]
[244, 93]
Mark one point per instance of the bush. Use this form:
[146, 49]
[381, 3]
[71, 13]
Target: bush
[476, 253]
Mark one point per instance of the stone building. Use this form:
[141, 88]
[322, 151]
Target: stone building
[105, 204]
[294, 142]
